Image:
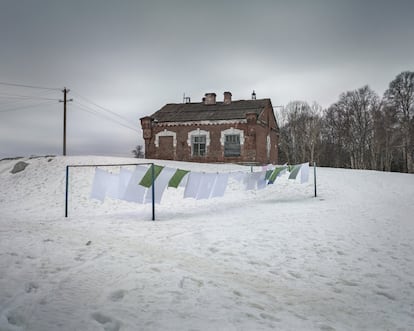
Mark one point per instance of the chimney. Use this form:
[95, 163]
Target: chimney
[227, 98]
[210, 99]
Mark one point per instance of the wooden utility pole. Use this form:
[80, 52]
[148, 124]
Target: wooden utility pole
[65, 92]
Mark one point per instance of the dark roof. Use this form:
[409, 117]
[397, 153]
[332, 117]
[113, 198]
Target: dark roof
[185, 112]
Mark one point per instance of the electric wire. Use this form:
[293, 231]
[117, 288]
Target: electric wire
[9, 97]
[102, 108]
[24, 97]
[87, 106]
[27, 106]
[95, 112]
[29, 86]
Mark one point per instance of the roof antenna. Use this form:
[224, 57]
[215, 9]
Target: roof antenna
[186, 99]
[254, 95]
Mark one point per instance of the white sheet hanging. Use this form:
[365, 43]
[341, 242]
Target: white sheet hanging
[123, 180]
[220, 185]
[304, 172]
[251, 180]
[193, 183]
[184, 181]
[238, 175]
[206, 186]
[99, 185]
[135, 192]
[261, 181]
[112, 186]
[161, 183]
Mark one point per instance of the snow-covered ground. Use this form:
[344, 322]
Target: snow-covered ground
[253, 260]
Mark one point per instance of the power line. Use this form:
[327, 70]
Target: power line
[29, 86]
[97, 113]
[24, 97]
[102, 108]
[26, 107]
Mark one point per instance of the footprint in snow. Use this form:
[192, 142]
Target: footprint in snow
[237, 293]
[270, 317]
[190, 283]
[15, 318]
[117, 295]
[107, 322]
[348, 282]
[325, 327]
[387, 295]
[295, 274]
[31, 287]
[213, 250]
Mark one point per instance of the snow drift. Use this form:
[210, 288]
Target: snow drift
[253, 260]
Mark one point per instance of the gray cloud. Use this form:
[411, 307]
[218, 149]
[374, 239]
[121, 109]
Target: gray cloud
[134, 56]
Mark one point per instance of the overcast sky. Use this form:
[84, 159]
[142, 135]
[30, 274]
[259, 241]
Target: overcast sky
[130, 57]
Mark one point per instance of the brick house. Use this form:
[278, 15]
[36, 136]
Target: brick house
[211, 131]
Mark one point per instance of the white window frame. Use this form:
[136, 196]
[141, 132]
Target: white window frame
[195, 133]
[232, 131]
[165, 133]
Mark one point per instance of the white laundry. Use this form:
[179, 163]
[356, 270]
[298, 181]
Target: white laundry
[123, 179]
[304, 172]
[183, 182]
[112, 190]
[161, 183]
[238, 175]
[251, 180]
[206, 186]
[99, 185]
[135, 192]
[193, 183]
[220, 185]
[261, 181]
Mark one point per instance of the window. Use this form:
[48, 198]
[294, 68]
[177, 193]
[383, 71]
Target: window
[198, 145]
[232, 145]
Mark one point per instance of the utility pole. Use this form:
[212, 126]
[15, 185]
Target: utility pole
[65, 92]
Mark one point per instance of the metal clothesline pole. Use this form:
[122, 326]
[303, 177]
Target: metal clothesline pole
[314, 176]
[109, 165]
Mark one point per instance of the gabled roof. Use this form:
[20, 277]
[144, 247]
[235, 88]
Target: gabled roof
[186, 112]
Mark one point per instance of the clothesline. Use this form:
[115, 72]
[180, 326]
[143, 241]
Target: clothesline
[136, 186]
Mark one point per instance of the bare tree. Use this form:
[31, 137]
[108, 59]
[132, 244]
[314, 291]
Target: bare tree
[334, 134]
[386, 139]
[358, 107]
[358, 131]
[300, 131]
[138, 152]
[400, 95]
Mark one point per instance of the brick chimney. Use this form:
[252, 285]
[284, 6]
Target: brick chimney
[227, 98]
[210, 99]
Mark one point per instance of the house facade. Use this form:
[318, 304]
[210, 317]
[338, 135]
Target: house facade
[211, 131]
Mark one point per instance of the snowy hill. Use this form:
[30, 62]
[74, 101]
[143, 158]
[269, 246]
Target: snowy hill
[277, 258]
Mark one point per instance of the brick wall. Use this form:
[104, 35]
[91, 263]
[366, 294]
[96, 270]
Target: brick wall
[253, 148]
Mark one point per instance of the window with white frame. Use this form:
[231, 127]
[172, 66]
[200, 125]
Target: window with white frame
[199, 141]
[232, 140]
[198, 145]
[232, 145]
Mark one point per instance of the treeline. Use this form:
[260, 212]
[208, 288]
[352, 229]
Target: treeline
[361, 130]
